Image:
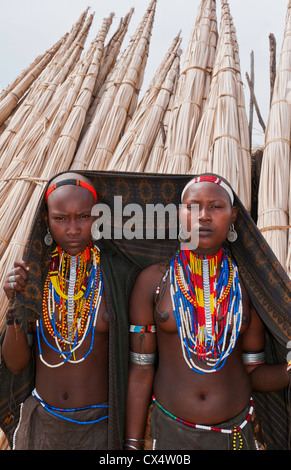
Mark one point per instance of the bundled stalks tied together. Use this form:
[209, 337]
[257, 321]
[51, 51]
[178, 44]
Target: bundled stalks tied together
[221, 144]
[135, 145]
[190, 93]
[274, 188]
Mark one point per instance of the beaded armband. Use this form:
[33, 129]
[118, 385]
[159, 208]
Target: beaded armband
[142, 329]
[142, 359]
[253, 358]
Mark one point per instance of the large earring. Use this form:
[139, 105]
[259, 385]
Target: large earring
[48, 239]
[181, 236]
[232, 234]
[95, 232]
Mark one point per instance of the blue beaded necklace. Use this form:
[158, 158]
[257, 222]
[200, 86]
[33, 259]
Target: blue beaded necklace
[206, 340]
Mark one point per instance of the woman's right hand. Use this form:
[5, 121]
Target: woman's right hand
[16, 278]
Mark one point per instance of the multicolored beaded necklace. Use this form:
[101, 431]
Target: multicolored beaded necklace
[71, 298]
[207, 310]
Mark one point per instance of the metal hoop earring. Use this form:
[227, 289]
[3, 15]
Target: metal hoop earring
[232, 234]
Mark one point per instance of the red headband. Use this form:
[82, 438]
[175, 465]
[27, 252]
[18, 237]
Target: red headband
[209, 179]
[73, 182]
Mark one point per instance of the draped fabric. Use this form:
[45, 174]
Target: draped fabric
[121, 260]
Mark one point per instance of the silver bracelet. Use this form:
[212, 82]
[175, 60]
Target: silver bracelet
[142, 359]
[253, 357]
[132, 447]
[133, 440]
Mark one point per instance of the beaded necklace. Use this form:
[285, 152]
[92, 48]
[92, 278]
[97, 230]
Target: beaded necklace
[70, 313]
[206, 309]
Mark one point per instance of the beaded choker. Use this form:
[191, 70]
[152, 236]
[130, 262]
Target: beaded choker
[71, 298]
[206, 309]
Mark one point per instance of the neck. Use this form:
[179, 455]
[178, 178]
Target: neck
[206, 251]
[85, 251]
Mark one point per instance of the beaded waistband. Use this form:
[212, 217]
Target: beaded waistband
[54, 411]
[205, 427]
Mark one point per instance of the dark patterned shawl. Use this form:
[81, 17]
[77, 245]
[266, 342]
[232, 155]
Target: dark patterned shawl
[265, 280]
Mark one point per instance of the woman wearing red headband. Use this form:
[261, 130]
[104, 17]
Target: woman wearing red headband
[196, 342]
[68, 408]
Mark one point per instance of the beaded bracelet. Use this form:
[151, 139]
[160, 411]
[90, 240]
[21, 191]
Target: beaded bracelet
[142, 329]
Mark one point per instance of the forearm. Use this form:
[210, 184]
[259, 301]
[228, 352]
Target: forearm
[269, 377]
[140, 387]
[16, 352]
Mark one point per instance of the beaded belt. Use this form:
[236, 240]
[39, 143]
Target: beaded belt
[234, 431]
[54, 411]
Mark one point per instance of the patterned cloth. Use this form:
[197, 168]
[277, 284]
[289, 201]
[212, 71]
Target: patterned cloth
[264, 278]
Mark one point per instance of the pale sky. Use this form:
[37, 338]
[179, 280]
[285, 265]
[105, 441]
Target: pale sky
[30, 27]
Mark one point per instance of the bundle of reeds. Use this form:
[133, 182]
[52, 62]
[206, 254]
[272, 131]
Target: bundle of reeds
[126, 98]
[18, 90]
[156, 159]
[38, 99]
[186, 112]
[221, 144]
[135, 145]
[109, 58]
[274, 188]
[118, 101]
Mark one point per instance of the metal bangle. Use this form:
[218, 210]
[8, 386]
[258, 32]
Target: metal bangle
[253, 357]
[131, 439]
[142, 359]
[132, 447]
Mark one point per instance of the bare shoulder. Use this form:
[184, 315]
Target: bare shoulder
[141, 311]
[153, 273]
[149, 278]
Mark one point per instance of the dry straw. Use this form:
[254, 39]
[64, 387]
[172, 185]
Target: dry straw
[125, 100]
[133, 149]
[274, 198]
[37, 101]
[221, 144]
[108, 97]
[186, 112]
